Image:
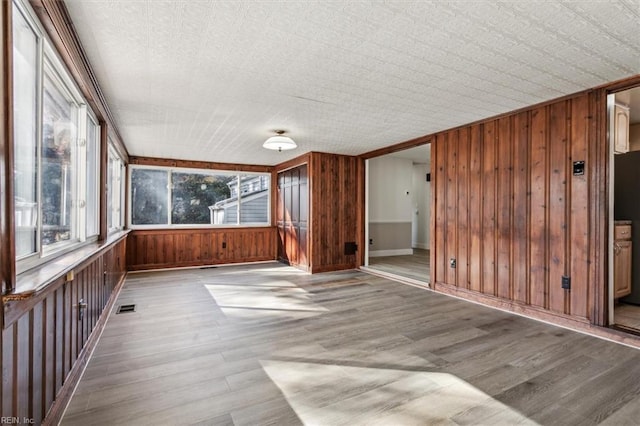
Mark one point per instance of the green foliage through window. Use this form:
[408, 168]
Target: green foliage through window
[198, 198]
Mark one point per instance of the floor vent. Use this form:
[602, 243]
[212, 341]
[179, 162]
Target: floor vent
[123, 309]
[208, 267]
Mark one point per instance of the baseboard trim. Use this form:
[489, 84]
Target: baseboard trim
[421, 246]
[399, 278]
[574, 323]
[63, 398]
[397, 252]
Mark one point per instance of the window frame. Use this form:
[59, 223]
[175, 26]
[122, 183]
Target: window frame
[50, 67]
[112, 152]
[91, 117]
[199, 171]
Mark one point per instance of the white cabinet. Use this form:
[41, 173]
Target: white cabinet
[620, 129]
[622, 260]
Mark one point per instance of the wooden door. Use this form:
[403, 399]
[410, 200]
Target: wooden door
[293, 216]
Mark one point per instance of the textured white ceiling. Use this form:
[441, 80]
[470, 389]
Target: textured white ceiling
[210, 80]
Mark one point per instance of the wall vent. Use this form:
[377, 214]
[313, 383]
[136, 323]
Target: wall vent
[124, 309]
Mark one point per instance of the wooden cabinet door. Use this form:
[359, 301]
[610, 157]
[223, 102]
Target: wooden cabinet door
[622, 268]
[292, 216]
[621, 129]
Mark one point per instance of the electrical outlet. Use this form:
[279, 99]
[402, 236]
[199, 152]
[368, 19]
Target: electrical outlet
[224, 244]
[566, 282]
[452, 263]
[370, 241]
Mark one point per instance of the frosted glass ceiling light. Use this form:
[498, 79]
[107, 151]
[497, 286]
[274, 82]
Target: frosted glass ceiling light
[279, 142]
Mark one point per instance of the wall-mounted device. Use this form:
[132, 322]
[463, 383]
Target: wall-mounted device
[578, 168]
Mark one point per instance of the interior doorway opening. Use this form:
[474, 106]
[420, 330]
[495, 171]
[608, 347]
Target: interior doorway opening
[624, 247]
[398, 214]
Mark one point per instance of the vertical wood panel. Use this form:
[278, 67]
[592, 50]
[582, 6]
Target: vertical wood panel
[579, 214]
[538, 209]
[440, 269]
[72, 288]
[303, 252]
[434, 232]
[530, 221]
[475, 208]
[8, 370]
[49, 386]
[463, 208]
[452, 201]
[504, 212]
[334, 212]
[59, 340]
[598, 174]
[163, 246]
[521, 201]
[489, 198]
[557, 203]
[37, 346]
[23, 393]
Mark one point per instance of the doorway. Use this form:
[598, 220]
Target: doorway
[624, 247]
[398, 214]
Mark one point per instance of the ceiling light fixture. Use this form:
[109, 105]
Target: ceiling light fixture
[279, 142]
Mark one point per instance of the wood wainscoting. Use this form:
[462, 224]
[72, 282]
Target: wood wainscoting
[511, 212]
[336, 192]
[336, 210]
[175, 248]
[46, 340]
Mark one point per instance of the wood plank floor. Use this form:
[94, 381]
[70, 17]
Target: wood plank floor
[627, 315]
[414, 266]
[268, 344]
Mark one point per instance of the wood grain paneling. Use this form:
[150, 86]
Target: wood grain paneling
[439, 151]
[190, 164]
[45, 347]
[521, 201]
[172, 248]
[292, 218]
[451, 208]
[474, 205]
[462, 208]
[489, 198]
[530, 221]
[334, 211]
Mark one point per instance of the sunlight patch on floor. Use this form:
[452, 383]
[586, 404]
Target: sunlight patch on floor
[338, 394]
[273, 300]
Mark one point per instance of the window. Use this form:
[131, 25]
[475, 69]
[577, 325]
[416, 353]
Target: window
[93, 177]
[58, 162]
[25, 65]
[115, 192]
[167, 197]
[56, 146]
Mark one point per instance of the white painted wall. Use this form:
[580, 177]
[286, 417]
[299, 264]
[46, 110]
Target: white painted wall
[421, 190]
[391, 187]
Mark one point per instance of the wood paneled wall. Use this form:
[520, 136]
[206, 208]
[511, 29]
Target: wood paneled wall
[172, 248]
[45, 342]
[336, 193]
[509, 210]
